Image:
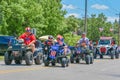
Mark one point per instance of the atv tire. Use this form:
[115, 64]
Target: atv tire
[87, 59]
[38, 60]
[7, 59]
[29, 58]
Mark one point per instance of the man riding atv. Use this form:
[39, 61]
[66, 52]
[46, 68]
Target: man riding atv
[28, 38]
[26, 47]
[82, 51]
[84, 41]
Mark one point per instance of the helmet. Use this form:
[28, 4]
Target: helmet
[59, 37]
[50, 37]
[27, 29]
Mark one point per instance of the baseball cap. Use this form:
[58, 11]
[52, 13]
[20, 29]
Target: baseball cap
[28, 29]
[84, 33]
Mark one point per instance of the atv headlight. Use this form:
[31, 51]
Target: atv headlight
[46, 48]
[10, 46]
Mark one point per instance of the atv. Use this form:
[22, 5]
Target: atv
[82, 53]
[56, 55]
[106, 47]
[18, 52]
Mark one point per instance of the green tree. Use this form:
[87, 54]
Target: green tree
[96, 22]
[17, 14]
[54, 16]
[93, 28]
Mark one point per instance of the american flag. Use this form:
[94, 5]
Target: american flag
[53, 53]
[111, 29]
[101, 29]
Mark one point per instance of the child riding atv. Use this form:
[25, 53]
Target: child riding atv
[57, 53]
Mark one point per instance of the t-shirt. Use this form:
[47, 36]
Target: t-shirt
[84, 40]
[27, 38]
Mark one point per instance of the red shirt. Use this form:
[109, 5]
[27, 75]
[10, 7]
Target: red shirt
[27, 38]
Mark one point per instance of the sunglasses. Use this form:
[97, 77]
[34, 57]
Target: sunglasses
[50, 38]
[58, 38]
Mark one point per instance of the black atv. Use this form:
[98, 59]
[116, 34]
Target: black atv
[19, 52]
[82, 53]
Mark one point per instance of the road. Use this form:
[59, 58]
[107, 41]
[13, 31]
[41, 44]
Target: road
[102, 69]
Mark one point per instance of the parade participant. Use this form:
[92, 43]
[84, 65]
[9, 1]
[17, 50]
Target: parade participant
[28, 38]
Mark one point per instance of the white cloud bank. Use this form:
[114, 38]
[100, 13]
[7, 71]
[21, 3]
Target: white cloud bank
[99, 7]
[70, 6]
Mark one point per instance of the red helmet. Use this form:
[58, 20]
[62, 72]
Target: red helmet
[27, 29]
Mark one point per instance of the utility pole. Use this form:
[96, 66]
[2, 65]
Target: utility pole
[119, 31]
[85, 27]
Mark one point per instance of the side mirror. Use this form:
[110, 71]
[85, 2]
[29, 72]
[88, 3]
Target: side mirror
[33, 30]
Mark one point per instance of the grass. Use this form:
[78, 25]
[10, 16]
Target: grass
[1, 58]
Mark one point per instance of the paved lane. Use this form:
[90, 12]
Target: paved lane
[105, 69]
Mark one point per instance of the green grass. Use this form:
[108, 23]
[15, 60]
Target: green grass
[1, 57]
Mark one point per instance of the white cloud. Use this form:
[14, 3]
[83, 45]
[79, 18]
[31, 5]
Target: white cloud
[99, 7]
[74, 14]
[112, 19]
[68, 6]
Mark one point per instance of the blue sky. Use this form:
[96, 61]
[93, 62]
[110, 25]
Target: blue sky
[109, 7]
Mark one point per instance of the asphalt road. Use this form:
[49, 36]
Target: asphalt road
[102, 69]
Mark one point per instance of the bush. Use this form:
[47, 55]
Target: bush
[71, 39]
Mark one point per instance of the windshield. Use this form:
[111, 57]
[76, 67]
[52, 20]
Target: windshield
[104, 42]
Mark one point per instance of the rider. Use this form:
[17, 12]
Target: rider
[28, 38]
[60, 40]
[91, 45]
[84, 41]
[49, 42]
[62, 45]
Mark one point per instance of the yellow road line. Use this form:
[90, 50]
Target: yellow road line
[21, 70]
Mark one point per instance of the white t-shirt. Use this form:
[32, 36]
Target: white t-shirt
[86, 40]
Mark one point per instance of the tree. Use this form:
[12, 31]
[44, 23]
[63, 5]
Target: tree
[93, 28]
[54, 17]
[94, 23]
[73, 23]
[17, 14]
